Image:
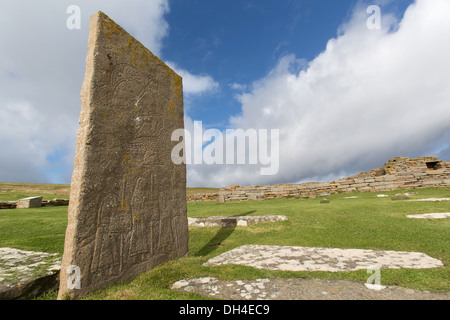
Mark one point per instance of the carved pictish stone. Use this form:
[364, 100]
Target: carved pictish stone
[127, 210]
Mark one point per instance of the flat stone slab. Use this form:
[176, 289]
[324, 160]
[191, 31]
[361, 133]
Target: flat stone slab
[298, 289]
[287, 258]
[442, 215]
[18, 265]
[431, 199]
[241, 221]
[26, 274]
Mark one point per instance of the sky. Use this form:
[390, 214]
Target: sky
[345, 89]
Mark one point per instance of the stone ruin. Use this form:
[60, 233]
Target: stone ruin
[397, 173]
[127, 210]
[31, 202]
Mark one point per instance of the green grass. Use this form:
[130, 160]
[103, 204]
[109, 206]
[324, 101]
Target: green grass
[16, 191]
[40, 229]
[363, 223]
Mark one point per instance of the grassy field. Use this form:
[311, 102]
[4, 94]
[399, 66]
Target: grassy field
[190, 191]
[364, 223]
[16, 191]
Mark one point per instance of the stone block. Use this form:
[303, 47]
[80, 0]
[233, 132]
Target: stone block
[32, 202]
[127, 210]
[365, 189]
[8, 204]
[234, 221]
[255, 196]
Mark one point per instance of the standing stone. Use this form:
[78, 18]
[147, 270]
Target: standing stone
[127, 210]
[27, 203]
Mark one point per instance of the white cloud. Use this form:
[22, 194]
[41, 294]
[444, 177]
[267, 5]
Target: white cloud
[42, 66]
[238, 86]
[370, 95]
[194, 84]
[17, 122]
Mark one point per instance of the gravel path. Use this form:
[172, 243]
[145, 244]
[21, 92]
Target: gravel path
[310, 259]
[299, 289]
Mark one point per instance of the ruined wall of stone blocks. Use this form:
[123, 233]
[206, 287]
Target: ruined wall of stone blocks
[397, 173]
[203, 197]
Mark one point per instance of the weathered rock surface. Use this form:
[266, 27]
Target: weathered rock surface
[233, 221]
[438, 215]
[287, 258]
[127, 210]
[27, 274]
[298, 289]
[400, 196]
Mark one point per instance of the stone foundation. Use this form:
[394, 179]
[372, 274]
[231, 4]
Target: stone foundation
[241, 221]
[203, 197]
[397, 173]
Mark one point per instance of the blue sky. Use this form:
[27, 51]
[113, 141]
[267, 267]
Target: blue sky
[240, 41]
[344, 98]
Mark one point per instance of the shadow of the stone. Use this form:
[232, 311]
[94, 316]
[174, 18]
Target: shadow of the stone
[220, 236]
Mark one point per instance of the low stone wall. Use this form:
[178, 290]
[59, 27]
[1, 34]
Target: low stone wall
[397, 173]
[8, 204]
[203, 197]
[65, 202]
[44, 203]
[241, 221]
[55, 203]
